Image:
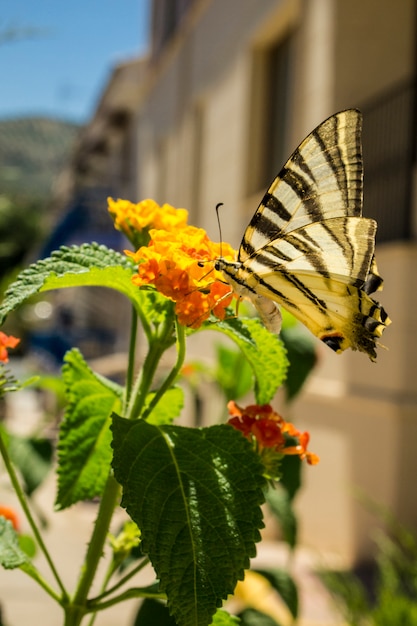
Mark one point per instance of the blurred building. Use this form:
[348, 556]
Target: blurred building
[228, 91]
[102, 165]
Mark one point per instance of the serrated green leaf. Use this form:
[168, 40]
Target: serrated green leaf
[264, 351]
[155, 307]
[168, 408]
[89, 264]
[11, 555]
[282, 582]
[84, 450]
[195, 494]
[155, 612]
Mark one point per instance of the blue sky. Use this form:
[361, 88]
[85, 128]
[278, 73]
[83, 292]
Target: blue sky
[61, 69]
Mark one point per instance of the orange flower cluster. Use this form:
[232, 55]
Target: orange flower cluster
[6, 341]
[178, 261]
[261, 424]
[135, 220]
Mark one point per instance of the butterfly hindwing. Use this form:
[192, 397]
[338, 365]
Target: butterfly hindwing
[329, 248]
[309, 249]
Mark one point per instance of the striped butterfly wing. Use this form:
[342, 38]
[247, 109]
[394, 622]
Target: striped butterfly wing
[307, 246]
[322, 179]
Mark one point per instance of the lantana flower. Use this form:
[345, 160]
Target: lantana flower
[176, 258]
[135, 220]
[179, 263]
[6, 341]
[266, 429]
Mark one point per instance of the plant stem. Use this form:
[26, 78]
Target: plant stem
[95, 547]
[94, 603]
[122, 581]
[133, 592]
[132, 354]
[144, 381]
[181, 351]
[23, 503]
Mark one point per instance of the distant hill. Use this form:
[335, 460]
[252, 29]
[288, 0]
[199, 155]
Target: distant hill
[33, 151]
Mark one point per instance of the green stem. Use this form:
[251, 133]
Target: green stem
[144, 381]
[23, 503]
[31, 571]
[109, 573]
[157, 347]
[120, 582]
[96, 546]
[132, 355]
[181, 351]
[134, 592]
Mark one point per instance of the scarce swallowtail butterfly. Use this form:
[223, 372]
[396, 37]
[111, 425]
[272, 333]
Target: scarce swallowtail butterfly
[309, 249]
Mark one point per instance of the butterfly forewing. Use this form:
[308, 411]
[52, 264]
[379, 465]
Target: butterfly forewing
[308, 247]
[322, 179]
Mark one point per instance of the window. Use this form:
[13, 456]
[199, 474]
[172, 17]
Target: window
[388, 145]
[271, 93]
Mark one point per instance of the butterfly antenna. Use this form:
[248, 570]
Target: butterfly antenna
[220, 227]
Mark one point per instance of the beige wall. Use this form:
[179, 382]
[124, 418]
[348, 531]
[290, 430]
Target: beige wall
[362, 417]
[196, 136]
[374, 47]
[209, 70]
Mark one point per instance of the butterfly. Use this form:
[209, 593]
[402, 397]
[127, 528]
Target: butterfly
[309, 249]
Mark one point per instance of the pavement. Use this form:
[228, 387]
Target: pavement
[24, 602]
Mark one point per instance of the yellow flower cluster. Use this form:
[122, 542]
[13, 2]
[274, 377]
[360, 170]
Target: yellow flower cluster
[178, 260]
[135, 220]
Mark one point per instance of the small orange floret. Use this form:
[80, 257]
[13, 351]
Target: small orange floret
[7, 341]
[267, 429]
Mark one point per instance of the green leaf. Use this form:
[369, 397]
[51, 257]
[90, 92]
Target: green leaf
[154, 306]
[33, 457]
[84, 450]
[153, 612]
[291, 468]
[27, 545]
[233, 374]
[168, 408]
[8, 382]
[11, 555]
[195, 494]
[302, 357]
[282, 582]
[76, 266]
[280, 504]
[222, 618]
[263, 350]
